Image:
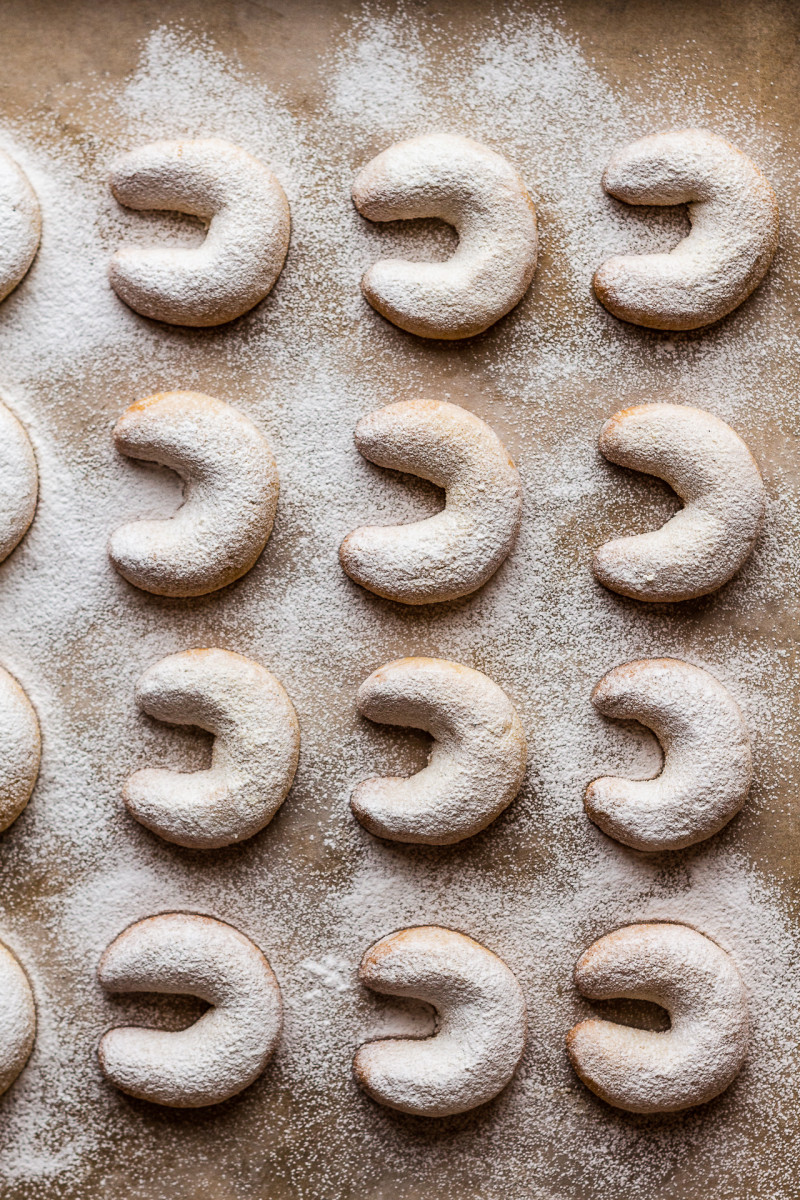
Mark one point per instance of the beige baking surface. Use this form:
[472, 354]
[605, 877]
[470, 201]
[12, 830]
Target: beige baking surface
[312, 1135]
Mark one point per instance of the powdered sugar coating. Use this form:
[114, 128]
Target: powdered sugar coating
[19, 482]
[256, 747]
[17, 1018]
[20, 749]
[231, 495]
[484, 198]
[20, 224]
[713, 472]
[454, 552]
[476, 765]
[245, 247]
[708, 763]
[222, 1052]
[734, 217]
[701, 989]
[481, 1023]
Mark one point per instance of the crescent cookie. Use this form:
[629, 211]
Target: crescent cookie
[256, 746]
[713, 472]
[17, 1018]
[20, 749]
[231, 495]
[699, 986]
[476, 765]
[19, 482]
[20, 224]
[480, 1023]
[222, 1052]
[707, 759]
[734, 218]
[483, 197]
[454, 552]
[245, 247]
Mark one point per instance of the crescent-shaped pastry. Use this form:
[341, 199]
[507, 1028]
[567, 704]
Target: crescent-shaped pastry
[17, 1018]
[20, 224]
[707, 759]
[228, 1047]
[713, 472]
[476, 765]
[230, 495]
[20, 749]
[734, 218]
[256, 746]
[481, 1023]
[243, 252]
[19, 482]
[483, 197]
[454, 552]
[699, 986]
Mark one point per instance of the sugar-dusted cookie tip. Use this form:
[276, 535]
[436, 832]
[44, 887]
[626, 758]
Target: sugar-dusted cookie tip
[17, 1018]
[19, 482]
[20, 749]
[20, 224]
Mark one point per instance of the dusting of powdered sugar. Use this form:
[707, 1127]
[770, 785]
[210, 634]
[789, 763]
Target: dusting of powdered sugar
[314, 889]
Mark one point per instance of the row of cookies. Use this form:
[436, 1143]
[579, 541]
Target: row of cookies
[732, 208]
[481, 1017]
[475, 768]
[231, 496]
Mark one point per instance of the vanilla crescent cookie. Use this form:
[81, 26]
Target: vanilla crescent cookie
[701, 989]
[245, 247]
[734, 218]
[222, 1052]
[476, 765]
[20, 224]
[230, 495]
[19, 482]
[455, 551]
[256, 746]
[480, 194]
[707, 759]
[17, 1018]
[713, 472]
[20, 749]
[480, 1027]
